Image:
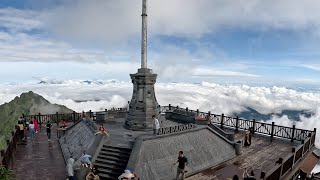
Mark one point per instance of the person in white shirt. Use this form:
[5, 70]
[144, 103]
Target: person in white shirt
[156, 125]
[32, 131]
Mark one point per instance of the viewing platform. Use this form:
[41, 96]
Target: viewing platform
[288, 146]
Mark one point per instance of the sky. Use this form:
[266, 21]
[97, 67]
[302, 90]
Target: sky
[221, 56]
[232, 42]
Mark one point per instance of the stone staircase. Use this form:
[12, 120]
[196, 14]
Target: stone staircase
[112, 161]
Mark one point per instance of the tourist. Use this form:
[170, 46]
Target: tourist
[48, 126]
[20, 130]
[93, 175]
[127, 175]
[182, 165]
[102, 131]
[32, 130]
[246, 139]
[64, 123]
[36, 127]
[250, 134]
[86, 160]
[247, 176]
[156, 125]
[70, 170]
[83, 116]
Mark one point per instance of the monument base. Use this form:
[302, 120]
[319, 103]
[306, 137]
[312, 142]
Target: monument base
[143, 104]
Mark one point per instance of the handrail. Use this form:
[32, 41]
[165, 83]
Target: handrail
[260, 127]
[7, 155]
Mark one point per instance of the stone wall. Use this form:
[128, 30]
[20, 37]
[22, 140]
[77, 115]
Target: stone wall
[153, 157]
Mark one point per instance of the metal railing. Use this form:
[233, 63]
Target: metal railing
[237, 123]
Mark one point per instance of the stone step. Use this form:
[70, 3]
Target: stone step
[104, 176]
[119, 149]
[115, 159]
[115, 167]
[116, 172]
[109, 172]
[115, 154]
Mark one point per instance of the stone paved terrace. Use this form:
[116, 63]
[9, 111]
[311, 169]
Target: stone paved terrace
[119, 136]
[260, 156]
[40, 160]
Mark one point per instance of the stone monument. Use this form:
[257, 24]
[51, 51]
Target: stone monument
[143, 103]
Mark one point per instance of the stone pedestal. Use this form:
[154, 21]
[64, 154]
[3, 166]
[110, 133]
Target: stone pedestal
[143, 103]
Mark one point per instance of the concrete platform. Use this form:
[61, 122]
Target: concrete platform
[260, 156]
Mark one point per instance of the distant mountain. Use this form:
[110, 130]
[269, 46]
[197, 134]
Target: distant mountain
[292, 114]
[27, 103]
[78, 82]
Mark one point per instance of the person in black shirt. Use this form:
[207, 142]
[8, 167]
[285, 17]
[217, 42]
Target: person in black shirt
[182, 165]
[48, 126]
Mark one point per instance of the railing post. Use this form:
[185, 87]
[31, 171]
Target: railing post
[57, 116]
[39, 119]
[294, 156]
[169, 107]
[187, 109]
[74, 117]
[302, 142]
[253, 126]
[293, 130]
[222, 118]
[197, 112]
[272, 131]
[90, 116]
[237, 124]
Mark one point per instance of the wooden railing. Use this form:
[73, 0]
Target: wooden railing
[7, 155]
[69, 117]
[289, 162]
[236, 123]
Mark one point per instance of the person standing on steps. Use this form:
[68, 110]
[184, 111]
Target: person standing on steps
[156, 125]
[48, 127]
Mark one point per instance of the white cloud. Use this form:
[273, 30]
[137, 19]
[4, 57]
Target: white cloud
[315, 67]
[216, 72]
[117, 20]
[206, 97]
[305, 123]
[19, 20]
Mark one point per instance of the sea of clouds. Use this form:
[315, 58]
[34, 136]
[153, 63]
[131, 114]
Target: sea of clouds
[99, 95]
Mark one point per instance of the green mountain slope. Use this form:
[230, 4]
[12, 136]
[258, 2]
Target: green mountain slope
[27, 103]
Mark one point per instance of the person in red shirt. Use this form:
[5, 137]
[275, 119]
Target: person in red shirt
[102, 131]
[83, 115]
[64, 123]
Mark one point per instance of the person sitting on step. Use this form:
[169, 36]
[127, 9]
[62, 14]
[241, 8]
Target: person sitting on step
[86, 160]
[102, 131]
[93, 175]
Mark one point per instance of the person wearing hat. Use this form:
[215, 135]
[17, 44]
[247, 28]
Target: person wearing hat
[127, 175]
